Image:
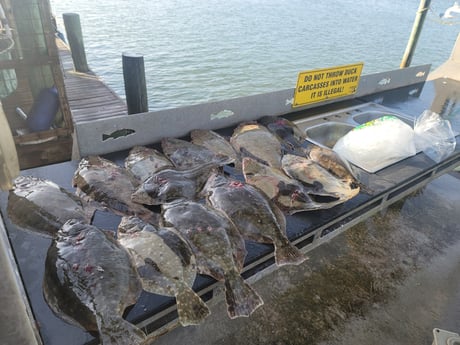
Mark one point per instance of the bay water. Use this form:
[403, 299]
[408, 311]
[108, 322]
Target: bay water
[198, 51]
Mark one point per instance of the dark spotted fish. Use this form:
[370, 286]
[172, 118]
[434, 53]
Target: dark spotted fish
[41, 206]
[206, 230]
[166, 265]
[214, 142]
[256, 141]
[89, 281]
[111, 186]
[169, 185]
[143, 162]
[186, 155]
[254, 215]
[291, 136]
[288, 194]
[321, 181]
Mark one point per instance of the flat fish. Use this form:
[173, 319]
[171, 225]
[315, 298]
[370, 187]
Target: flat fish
[89, 280]
[287, 193]
[111, 186]
[186, 155]
[206, 230]
[291, 136]
[214, 142]
[253, 214]
[321, 180]
[169, 185]
[166, 265]
[256, 141]
[143, 162]
[41, 206]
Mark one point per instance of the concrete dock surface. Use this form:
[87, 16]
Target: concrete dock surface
[390, 279]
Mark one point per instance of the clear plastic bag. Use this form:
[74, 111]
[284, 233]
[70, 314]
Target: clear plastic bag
[434, 136]
[377, 144]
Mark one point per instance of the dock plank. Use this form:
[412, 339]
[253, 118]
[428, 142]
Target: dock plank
[88, 96]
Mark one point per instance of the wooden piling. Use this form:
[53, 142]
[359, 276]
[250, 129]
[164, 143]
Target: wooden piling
[75, 39]
[135, 86]
[416, 30]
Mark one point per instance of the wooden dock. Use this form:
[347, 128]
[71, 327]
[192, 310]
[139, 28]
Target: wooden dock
[88, 96]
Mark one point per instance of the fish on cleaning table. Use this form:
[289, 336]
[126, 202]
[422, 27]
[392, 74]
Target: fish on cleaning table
[207, 232]
[89, 281]
[319, 179]
[166, 265]
[42, 206]
[291, 136]
[143, 162]
[214, 142]
[253, 214]
[288, 194]
[256, 141]
[186, 155]
[111, 186]
[168, 185]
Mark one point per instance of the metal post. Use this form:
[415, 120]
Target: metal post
[75, 38]
[135, 86]
[416, 29]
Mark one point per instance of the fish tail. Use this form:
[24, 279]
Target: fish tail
[242, 300]
[288, 254]
[105, 137]
[114, 330]
[190, 307]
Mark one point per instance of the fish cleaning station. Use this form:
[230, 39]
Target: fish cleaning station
[327, 213]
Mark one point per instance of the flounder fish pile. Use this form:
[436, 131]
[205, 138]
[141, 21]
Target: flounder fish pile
[182, 215]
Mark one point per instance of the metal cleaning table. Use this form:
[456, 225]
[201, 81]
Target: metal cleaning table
[156, 314]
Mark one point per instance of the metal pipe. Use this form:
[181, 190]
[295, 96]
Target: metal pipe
[416, 30]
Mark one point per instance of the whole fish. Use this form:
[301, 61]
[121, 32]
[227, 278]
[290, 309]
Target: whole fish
[186, 155]
[214, 142]
[253, 214]
[41, 206]
[166, 265]
[291, 136]
[89, 280]
[321, 180]
[287, 193]
[143, 162]
[206, 230]
[111, 186]
[168, 185]
[256, 141]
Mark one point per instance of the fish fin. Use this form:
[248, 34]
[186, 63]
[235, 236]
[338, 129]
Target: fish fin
[114, 330]
[242, 300]
[190, 307]
[288, 254]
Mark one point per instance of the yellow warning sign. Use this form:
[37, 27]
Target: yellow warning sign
[327, 83]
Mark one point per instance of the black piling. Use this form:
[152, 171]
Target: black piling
[135, 86]
[75, 39]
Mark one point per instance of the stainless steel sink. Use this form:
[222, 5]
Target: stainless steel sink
[372, 115]
[327, 133]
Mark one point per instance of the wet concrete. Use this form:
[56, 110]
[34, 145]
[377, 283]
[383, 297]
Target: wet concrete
[390, 279]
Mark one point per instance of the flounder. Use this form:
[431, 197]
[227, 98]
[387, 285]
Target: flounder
[319, 178]
[206, 230]
[256, 141]
[290, 195]
[169, 185]
[253, 214]
[89, 280]
[166, 265]
[291, 136]
[143, 162]
[214, 142]
[111, 186]
[186, 155]
[41, 206]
